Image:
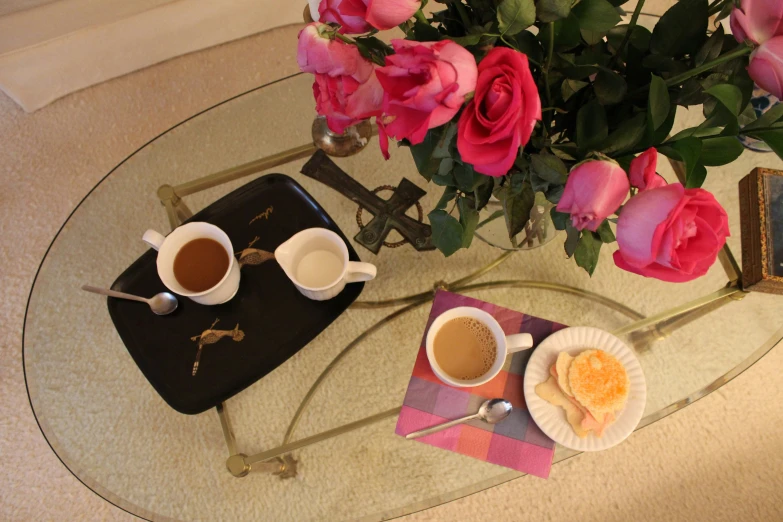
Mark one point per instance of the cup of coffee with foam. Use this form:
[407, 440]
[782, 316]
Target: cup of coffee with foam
[467, 347]
[197, 261]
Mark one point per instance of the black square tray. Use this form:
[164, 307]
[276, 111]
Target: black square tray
[267, 322]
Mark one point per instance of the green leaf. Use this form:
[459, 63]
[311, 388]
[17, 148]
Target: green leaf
[596, 15]
[441, 149]
[658, 103]
[588, 250]
[689, 150]
[571, 87]
[772, 138]
[681, 30]
[550, 169]
[773, 115]
[640, 37]
[579, 72]
[445, 180]
[559, 219]
[697, 177]
[605, 233]
[553, 10]
[729, 95]
[572, 239]
[483, 192]
[711, 48]
[517, 208]
[720, 151]
[465, 41]
[591, 126]
[591, 37]
[448, 194]
[515, 16]
[554, 193]
[697, 132]
[446, 232]
[422, 156]
[627, 135]
[425, 32]
[468, 218]
[610, 87]
[445, 167]
[467, 178]
[528, 44]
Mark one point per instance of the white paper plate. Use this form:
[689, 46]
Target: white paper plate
[551, 419]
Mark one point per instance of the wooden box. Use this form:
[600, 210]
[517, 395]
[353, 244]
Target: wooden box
[761, 214]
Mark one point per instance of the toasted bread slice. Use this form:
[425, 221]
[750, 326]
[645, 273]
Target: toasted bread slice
[599, 382]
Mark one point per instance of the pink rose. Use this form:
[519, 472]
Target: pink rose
[360, 16]
[766, 66]
[757, 20]
[642, 172]
[501, 116]
[346, 102]
[318, 53]
[424, 86]
[671, 233]
[346, 89]
[594, 191]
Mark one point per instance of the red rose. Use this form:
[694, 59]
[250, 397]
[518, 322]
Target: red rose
[671, 233]
[502, 114]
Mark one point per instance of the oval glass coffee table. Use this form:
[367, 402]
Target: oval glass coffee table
[327, 415]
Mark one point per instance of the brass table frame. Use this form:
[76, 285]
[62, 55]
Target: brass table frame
[642, 331]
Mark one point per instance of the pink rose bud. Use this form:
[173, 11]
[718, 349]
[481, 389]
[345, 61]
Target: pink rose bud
[594, 191]
[757, 20]
[346, 89]
[318, 53]
[671, 233]
[360, 16]
[502, 114]
[766, 66]
[424, 86]
[642, 172]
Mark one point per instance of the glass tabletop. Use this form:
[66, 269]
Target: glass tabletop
[111, 429]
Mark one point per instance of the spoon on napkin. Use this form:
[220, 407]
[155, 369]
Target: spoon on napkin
[491, 411]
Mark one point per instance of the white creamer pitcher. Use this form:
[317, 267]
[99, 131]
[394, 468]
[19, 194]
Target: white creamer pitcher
[316, 261]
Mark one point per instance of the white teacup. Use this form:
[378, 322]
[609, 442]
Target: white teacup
[316, 261]
[169, 246]
[506, 344]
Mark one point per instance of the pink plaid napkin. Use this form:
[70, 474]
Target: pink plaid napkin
[515, 443]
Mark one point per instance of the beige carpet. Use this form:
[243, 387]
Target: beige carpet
[719, 459]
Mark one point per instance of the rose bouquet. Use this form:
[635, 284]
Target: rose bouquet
[527, 100]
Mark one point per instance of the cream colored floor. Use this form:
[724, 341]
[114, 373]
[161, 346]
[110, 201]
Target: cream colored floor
[720, 459]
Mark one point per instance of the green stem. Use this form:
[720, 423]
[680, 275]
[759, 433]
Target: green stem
[677, 80]
[419, 16]
[344, 38]
[742, 50]
[463, 14]
[631, 27]
[550, 50]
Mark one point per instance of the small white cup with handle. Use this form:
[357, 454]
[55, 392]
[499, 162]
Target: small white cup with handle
[316, 261]
[506, 344]
[169, 246]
